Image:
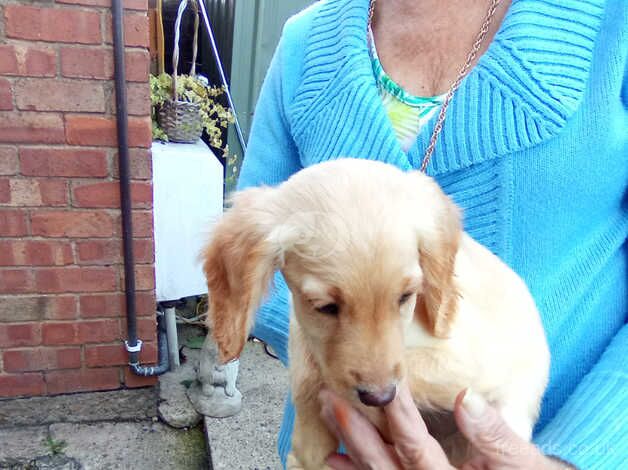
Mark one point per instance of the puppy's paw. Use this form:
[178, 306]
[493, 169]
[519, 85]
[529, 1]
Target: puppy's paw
[292, 463]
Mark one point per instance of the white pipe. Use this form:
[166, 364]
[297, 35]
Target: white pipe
[173, 340]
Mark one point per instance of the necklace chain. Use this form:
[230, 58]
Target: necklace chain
[438, 127]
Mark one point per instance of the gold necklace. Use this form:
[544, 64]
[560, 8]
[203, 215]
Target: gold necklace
[438, 127]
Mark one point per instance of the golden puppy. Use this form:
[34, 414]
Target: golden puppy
[385, 287]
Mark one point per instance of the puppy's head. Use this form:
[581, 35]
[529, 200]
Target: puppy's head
[368, 253]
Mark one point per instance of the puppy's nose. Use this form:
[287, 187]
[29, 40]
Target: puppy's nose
[380, 397]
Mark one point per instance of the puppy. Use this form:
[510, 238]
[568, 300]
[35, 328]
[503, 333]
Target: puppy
[385, 287]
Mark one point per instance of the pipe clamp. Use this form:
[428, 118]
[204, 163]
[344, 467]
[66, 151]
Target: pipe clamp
[136, 348]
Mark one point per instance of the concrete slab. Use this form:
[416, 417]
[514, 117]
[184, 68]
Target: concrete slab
[22, 443]
[175, 407]
[132, 445]
[249, 439]
[125, 405]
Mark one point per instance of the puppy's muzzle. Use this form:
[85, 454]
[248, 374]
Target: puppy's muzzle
[379, 397]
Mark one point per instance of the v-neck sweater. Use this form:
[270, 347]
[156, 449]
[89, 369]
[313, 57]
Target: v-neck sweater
[534, 150]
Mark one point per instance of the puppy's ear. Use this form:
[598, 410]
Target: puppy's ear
[439, 240]
[239, 262]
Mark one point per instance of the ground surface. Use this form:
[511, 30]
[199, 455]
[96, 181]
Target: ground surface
[102, 430]
[249, 439]
[121, 430]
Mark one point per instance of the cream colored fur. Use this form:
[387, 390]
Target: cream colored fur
[361, 234]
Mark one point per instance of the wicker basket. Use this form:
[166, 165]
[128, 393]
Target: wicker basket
[181, 120]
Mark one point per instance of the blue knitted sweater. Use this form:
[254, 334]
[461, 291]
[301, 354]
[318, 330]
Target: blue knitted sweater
[534, 149]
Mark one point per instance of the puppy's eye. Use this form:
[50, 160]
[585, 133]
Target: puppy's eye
[404, 298]
[329, 309]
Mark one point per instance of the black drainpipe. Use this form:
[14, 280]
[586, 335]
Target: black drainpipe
[133, 345]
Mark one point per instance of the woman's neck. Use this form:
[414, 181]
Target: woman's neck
[423, 43]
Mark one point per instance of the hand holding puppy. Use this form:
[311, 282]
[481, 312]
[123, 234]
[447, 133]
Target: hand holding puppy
[498, 448]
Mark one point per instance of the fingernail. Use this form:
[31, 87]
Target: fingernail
[473, 404]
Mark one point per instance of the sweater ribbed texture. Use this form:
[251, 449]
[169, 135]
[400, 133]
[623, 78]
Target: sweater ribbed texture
[534, 150]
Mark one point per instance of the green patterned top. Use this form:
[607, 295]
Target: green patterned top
[407, 113]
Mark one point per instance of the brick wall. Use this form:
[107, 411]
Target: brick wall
[62, 315]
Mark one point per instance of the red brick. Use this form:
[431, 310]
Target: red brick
[63, 162]
[60, 307]
[8, 161]
[117, 355]
[145, 303]
[72, 223]
[52, 24]
[13, 223]
[144, 251]
[110, 251]
[15, 335]
[35, 253]
[101, 305]
[34, 94]
[135, 381]
[16, 281]
[37, 62]
[106, 355]
[144, 277]
[38, 192]
[86, 62]
[114, 305]
[135, 30]
[31, 127]
[142, 224]
[22, 385]
[99, 331]
[99, 252]
[140, 164]
[5, 191]
[107, 194]
[6, 96]
[60, 333]
[101, 131]
[128, 4]
[91, 130]
[8, 60]
[37, 308]
[137, 66]
[28, 61]
[31, 360]
[66, 381]
[146, 328]
[75, 279]
[138, 102]
[97, 63]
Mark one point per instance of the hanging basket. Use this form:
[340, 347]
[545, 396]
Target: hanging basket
[179, 119]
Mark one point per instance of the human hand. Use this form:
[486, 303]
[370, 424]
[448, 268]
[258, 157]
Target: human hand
[413, 448]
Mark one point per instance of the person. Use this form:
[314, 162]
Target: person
[533, 148]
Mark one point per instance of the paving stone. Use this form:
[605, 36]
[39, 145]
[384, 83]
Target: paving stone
[248, 440]
[23, 443]
[132, 446]
[175, 407]
[124, 405]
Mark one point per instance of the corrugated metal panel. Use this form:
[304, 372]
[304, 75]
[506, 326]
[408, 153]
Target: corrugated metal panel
[221, 14]
[256, 32]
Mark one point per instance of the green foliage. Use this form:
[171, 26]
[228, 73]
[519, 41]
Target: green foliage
[55, 447]
[187, 383]
[196, 342]
[214, 116]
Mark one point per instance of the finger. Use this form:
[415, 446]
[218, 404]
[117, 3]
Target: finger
[487, 431]
[415, 447]
[340, 462]
[362, 441]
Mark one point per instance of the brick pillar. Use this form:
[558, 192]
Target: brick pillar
[62, 318]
